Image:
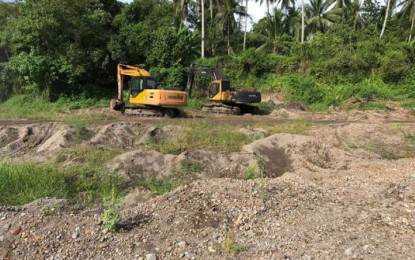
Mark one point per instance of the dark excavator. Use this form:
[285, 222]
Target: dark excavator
[222, 97]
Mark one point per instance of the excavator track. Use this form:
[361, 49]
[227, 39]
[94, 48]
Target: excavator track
[150, 111]
[220, 108]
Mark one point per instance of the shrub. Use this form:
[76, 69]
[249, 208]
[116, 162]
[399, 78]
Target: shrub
[112, 216]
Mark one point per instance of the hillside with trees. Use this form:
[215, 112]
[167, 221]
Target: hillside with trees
[321, 52]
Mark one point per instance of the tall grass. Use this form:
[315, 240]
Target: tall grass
[23, 183]
[36, 107]
[203, 135]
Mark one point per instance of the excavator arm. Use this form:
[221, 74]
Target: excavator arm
[214, 73]
[127, 70]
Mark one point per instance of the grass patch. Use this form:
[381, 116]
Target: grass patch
[37, 108]
[374, 106]
[190, 166]
[95, 157]
[266, 107]
[194, 103]
[161, 185]
[393, 152]
[410, 104]
[23, 183]
[203, 136]
[298, 127]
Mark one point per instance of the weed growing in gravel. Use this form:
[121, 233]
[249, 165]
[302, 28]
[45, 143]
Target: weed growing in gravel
[161, 185]
[261, 187]
[393, 152]
[112, 217]
[190, 166]
[231, 246]
[253, 171]
[352, 143]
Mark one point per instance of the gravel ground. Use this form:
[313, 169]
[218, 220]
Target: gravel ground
[335, 199]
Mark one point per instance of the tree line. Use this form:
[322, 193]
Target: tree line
[69, 48]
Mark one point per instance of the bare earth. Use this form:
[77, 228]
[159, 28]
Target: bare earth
[345, 190]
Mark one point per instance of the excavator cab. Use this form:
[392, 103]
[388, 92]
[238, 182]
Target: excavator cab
[138, 84]
[219, 90]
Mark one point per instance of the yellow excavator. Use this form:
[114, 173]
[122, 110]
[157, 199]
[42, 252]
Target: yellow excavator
[222, 97]
[145, 97]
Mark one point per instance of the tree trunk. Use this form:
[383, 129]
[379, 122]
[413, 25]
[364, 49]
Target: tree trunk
[413, 21]
[203, 29]
[211, 10]
[386, 18]
[267, 6]
[302, 21]
[246, 22]
[229, 41]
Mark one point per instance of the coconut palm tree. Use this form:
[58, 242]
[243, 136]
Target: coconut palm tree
[389, 5]
[182, 8]
[355, 14]
[321, 14]
[408, 11]
[267, 2]
[246, 22]
[302, 20]
[226, 18]
[293, 21]
[276, 26]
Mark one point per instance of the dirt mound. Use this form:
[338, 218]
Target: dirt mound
[119, 135]
[41, 138]
[159, 135]
[343, 116]
[136, 165]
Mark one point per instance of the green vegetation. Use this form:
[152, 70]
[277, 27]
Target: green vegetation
[37, 107]
[161, 185]
[204, 136]
[66, 52]
[190, 166]
[231, 246]
[94, 157]
[23, 183]
[253, 171]
[112, 216]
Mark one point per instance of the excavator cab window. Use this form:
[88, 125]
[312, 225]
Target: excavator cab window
[226, 85]
[136, 86]
[151, 83]
[213, 89]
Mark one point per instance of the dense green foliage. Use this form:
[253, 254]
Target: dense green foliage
[57, 49]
